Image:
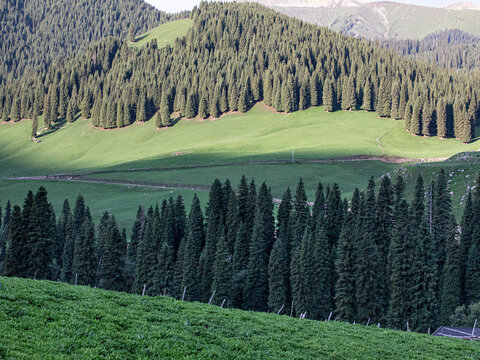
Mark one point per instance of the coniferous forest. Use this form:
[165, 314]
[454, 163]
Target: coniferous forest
[236, 55]
[454, 49]
[379, 258]
[35, 33]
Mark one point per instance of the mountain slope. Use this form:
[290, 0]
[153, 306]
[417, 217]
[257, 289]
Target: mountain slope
[234, 56]
[384, 19]
[42, 30]
[451, 49]
[41, 319]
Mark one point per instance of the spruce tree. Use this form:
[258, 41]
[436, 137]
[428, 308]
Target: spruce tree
[467, 225]
[345, 268]
[451, 287]
[61, 236]
[15, 260]
[215, 221]
[41, 238]
[4, 231]
[328, 96]
[317, 268]
[349, 101]
[256, 292]
[416, 121]
[367, 96]
[84, 263]
[400, 265]
[222, 272]
[68, 250]
[369, 285]
[195, 238]
[34, 126]
[278, 277]
[424, 272]
[112, 274]
[146, 258]
[442, 131]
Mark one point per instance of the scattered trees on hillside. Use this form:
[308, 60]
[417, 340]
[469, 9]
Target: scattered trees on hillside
[244, 53]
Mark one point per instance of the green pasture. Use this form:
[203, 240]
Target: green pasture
[165, 34]
[253, 139]
[78, 322]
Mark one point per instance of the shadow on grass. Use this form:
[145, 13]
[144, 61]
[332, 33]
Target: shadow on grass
[58, 124]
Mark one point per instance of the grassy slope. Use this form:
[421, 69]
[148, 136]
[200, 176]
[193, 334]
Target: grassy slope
[256, 136]
[259, 135]
[278, 176]
[40, 319]
[165, 34]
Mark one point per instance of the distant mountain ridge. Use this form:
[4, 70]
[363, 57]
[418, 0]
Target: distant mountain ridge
[463, 5]
[381, 19]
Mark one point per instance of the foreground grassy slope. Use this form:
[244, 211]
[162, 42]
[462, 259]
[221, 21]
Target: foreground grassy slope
[165, 34]
[41, 319]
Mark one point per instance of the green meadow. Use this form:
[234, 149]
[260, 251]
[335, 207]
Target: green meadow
[85, 323]
[258, 144]
[165, 34]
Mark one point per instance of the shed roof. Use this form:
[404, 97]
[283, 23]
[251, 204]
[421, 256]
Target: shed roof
[457, 332]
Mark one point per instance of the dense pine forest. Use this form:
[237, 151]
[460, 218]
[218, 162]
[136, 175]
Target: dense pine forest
[234, 56]
[378, 258]
[35, 33]
[454, 49]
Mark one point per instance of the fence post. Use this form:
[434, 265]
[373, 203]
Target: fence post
[211, 297]
[408, 327]
[473, 330]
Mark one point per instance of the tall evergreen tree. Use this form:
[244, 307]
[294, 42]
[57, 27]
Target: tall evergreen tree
[195, 238]
[278, 277]
[215, 221]
[256, 293]
[222, 272]
[400, 263]
[15, 260]
[112, 271]
[345, 268]
[84, 261]
[369, 285]
[451, 287]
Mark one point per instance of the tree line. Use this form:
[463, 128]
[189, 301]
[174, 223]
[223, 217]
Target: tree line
[454, 49]
[379, 257]
[36, 33]
[234, 56]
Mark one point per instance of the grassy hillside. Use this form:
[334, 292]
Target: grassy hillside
[258, 136]
[165, 34]
[384, 19]
[41, 319]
